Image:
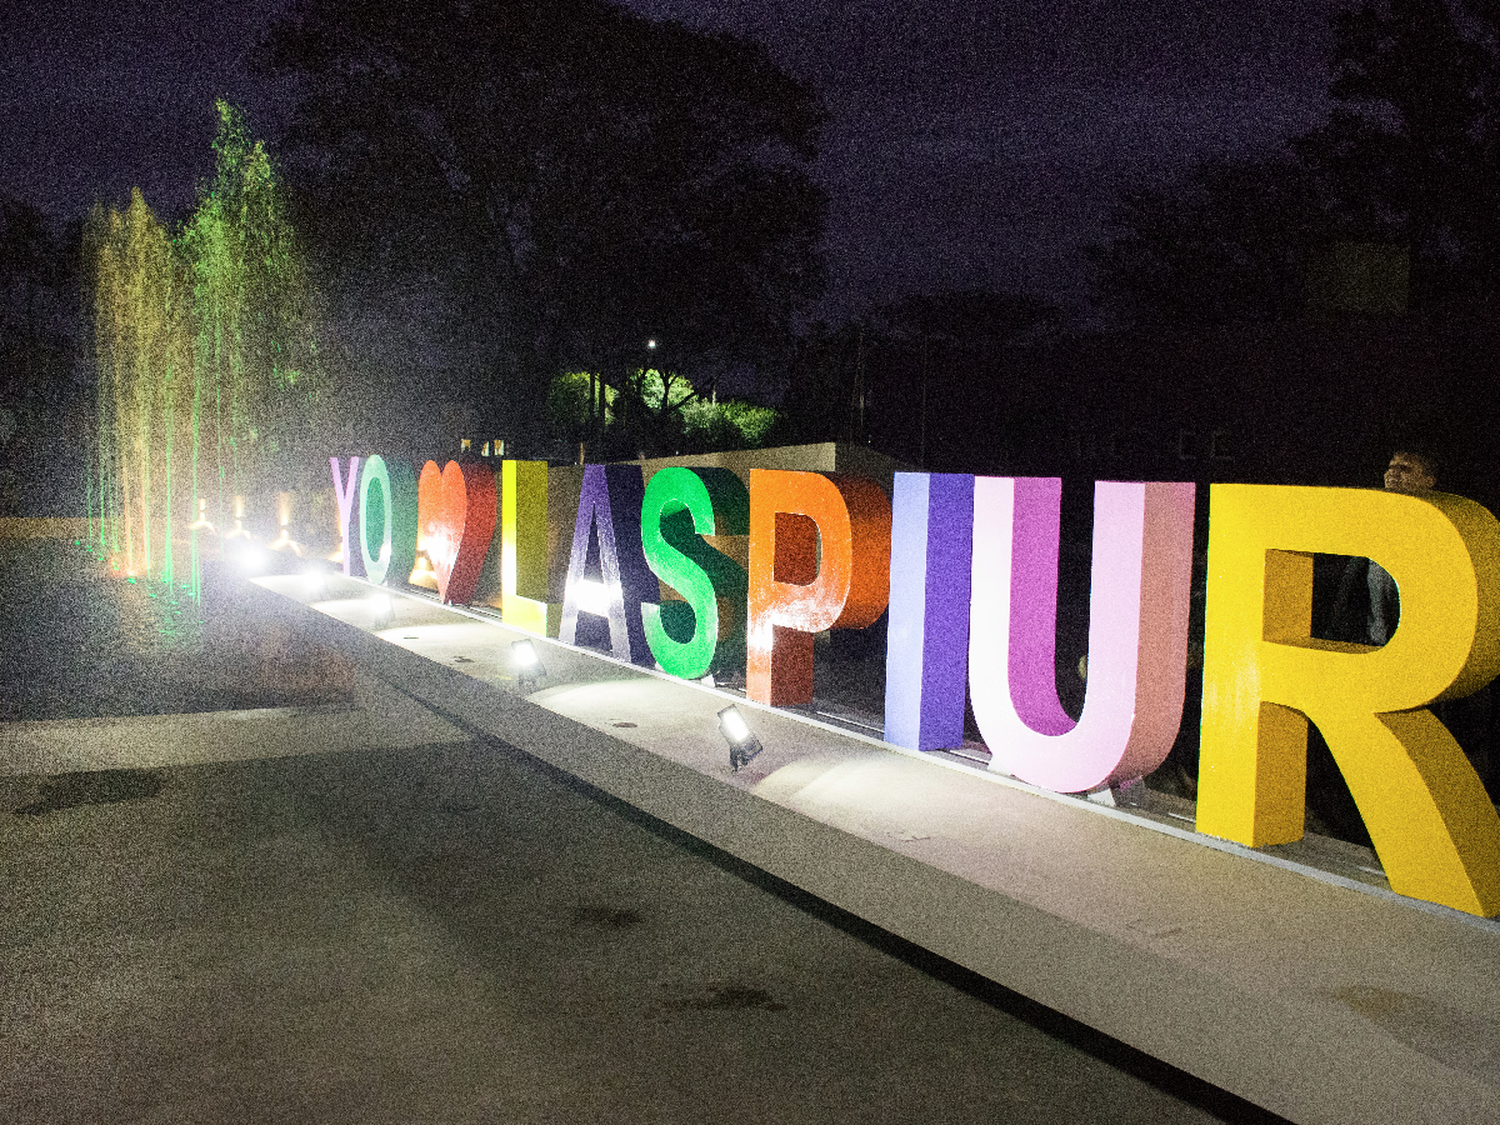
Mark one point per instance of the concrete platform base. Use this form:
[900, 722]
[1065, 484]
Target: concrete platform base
[1317, 997]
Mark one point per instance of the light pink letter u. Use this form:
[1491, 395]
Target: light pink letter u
[1138, 617]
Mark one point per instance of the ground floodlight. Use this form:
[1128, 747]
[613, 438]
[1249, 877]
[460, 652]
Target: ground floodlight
[529, 669]
[743, 745]
[317, 579]
[385, 612]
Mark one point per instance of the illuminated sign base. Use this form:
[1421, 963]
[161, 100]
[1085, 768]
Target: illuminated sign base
[965, 569]
[1313, 997]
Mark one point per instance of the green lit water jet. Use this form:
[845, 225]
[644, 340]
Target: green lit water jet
[202, 346]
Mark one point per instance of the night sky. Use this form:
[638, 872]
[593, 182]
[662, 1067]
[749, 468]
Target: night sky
[99, 97]
[980, 143]
[971, 142]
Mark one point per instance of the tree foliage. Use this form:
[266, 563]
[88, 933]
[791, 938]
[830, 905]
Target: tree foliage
[1409, 158]
[653, 413]
[574, 178]
[1411, 152]
[1227, 242]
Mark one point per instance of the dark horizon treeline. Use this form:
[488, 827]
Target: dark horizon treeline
[497, 195]
[1406, 169]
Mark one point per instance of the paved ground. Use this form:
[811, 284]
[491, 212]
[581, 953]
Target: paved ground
[456, 934]
[447, 934]
[77, 644]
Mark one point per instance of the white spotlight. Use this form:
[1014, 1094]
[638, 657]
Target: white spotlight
[743, 745]
[529, 669]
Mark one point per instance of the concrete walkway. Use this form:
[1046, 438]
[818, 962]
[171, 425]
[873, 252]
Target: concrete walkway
[454, 933]
[1320, 995]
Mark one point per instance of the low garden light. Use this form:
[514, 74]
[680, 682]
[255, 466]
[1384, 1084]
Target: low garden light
[202, 523]
[284, 540]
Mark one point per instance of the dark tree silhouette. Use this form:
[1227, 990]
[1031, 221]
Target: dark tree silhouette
[39, 325]
[1409, 159]
[1228, 242]
[971, 318]
[575, 178]
[1411, 153]
[895, 375]
[33, 267]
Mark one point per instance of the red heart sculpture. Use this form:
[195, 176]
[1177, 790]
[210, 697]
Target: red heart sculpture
[456, 512]
[429, 501]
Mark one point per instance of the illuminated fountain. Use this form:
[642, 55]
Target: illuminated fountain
[197, 341]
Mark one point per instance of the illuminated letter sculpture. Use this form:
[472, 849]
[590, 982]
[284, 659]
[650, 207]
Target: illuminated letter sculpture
[609, 510]
[457, 513]
[792, 595]
[1429, 818]
[523, 548]
[389, 519]
[344, 491]
[429, 507]
[681, 505]
[928, 639]
[1138, 618]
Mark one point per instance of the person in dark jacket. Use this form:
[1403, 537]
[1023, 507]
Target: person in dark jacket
[1368, 605]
